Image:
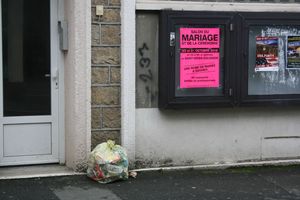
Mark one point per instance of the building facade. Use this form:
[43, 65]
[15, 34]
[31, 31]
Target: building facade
[103, 69]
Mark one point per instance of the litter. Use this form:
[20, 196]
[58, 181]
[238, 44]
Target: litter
[108, 162]
[133, 174]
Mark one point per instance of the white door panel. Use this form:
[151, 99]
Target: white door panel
[28, 82]
[27, 139]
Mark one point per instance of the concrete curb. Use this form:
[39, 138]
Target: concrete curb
[175, 168]
[224, 166]
[41, 175]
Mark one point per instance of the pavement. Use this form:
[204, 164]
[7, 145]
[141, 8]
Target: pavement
[268, 183]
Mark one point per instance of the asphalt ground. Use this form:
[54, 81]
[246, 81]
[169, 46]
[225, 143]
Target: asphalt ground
[268, 183]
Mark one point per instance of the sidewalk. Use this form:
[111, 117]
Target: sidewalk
[268, 183]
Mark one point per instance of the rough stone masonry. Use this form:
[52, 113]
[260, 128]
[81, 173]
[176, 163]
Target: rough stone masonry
[106, 77]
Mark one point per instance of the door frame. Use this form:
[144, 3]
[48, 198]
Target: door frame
[57, 64]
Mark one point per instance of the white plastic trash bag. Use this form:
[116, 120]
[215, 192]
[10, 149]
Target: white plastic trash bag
[108, 162]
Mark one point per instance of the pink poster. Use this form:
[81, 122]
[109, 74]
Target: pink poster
[199, 57]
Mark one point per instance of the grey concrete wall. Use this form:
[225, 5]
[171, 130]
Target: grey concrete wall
[77, 79]
[205, 136]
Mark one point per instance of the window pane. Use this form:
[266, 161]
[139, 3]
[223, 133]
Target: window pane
[199, 64]
[268, 73]
[26, 57]
[147, 60]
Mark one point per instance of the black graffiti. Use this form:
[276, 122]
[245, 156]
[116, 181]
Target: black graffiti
[144, 48]
[153, 95]
[145, 62]
[146, 75]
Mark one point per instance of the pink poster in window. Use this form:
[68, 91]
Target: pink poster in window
[199, 57]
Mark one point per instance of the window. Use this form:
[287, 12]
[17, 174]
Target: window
[228, 59]
[271, 64]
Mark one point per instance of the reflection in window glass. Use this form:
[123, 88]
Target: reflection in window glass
[26, 57]
[267, 65]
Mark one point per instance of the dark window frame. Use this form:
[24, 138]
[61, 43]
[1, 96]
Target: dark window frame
[168, 20]
[235, 64]
[246, 20]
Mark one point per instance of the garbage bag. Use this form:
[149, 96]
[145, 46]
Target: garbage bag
[108, 162]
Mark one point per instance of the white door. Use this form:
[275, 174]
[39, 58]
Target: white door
[28, 82]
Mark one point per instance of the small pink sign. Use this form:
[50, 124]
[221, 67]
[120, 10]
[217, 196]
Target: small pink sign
[199, 57]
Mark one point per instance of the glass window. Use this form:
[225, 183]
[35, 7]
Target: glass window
[26, 57]
[229, 59]
[147, 60]
[199, 64]
[274, 64]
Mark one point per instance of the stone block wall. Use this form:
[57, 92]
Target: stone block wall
[106, 77]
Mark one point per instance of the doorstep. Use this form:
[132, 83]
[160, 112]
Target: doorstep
[36, 171]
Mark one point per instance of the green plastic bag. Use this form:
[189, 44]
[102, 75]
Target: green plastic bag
[108, 162]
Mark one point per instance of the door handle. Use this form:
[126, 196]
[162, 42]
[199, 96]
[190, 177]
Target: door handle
[55, 77]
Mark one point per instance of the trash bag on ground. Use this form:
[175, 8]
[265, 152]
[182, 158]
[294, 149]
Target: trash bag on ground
[108, 162]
